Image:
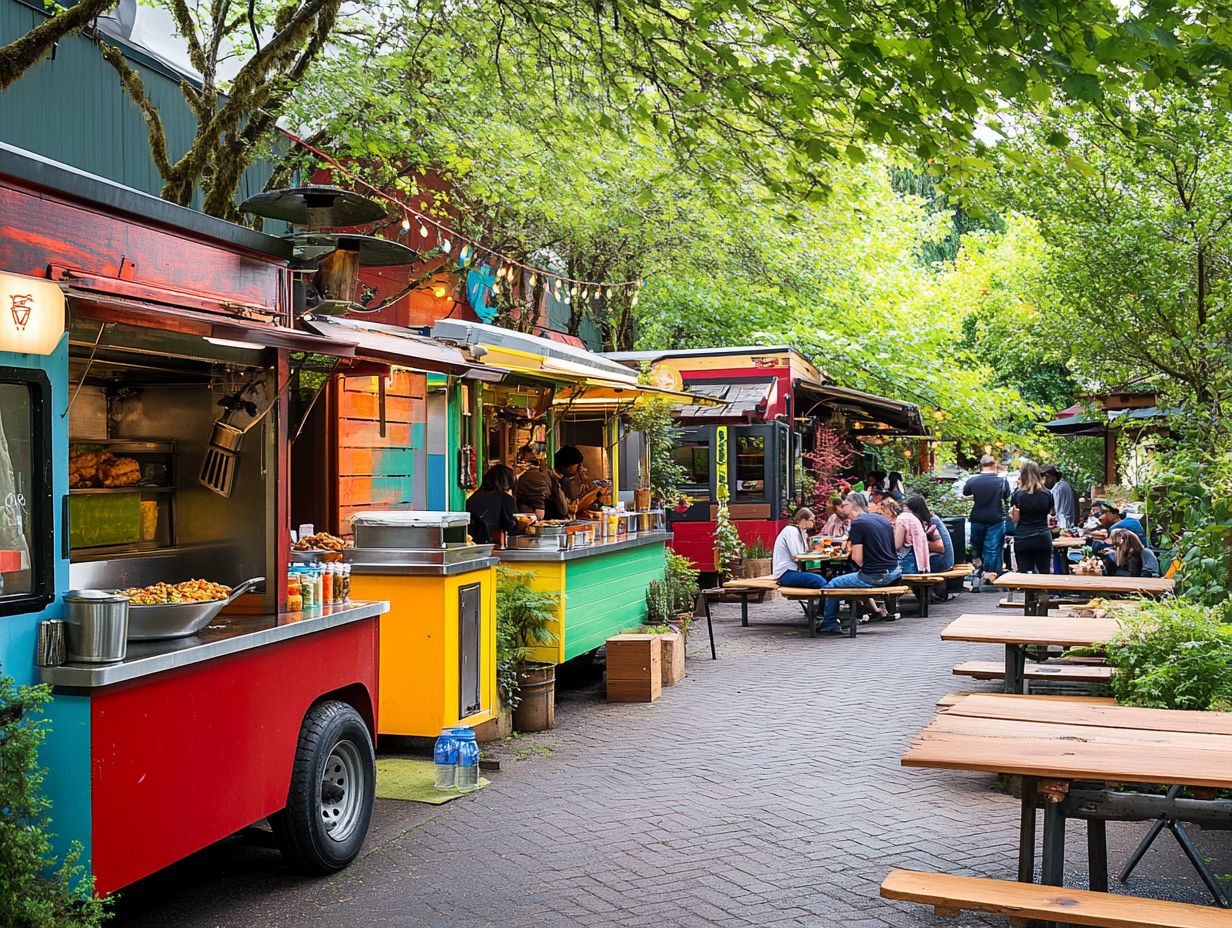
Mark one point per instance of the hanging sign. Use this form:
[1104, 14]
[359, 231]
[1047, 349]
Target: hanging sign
[720, 458]
[31, 314]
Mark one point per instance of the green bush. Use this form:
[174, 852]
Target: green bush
[1175, 655]
[942, 498]
[1191, 504]
[36, 890]
[523, 616]
[658, 603]
[682, 585]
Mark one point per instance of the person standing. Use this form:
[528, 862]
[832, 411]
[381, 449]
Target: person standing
[492, 507]
[1030, 507]
[872, 551]
[1064, 497]
[989, 492]
[793, 540]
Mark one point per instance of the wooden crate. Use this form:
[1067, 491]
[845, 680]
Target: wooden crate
[634, 668]
[671, 658]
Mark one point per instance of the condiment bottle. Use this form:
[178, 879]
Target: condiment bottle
[346, 583]
[307, 589]
[327, 584]
[295, 595]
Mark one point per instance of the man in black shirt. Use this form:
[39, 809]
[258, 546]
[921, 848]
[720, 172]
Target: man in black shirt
[872, 550]
[990, 491]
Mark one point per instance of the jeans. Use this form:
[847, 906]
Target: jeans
[801, 578]
[856, 581]
[939, 562]
[988, 542]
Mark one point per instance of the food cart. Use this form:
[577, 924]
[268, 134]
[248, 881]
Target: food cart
[770, 403]
[145, 350]
[554, 394]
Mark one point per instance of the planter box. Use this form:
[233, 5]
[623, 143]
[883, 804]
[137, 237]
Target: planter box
[757, 567]
[634, 668]
[671, 658]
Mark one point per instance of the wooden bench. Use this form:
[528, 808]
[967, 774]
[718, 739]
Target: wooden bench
[1060, 673]
[853, 595]
[922, 584]
[1022, 902]
[810, 599]
[949, 700]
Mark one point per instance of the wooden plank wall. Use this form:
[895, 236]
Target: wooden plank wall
[378, 471]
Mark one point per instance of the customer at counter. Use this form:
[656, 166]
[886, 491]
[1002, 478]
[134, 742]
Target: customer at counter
[492, 506]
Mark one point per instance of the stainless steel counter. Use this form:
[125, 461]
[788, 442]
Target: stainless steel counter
[423, 570]
[531, 555]
[229, 634]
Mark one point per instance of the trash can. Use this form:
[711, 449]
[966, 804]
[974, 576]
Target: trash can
[957, 526]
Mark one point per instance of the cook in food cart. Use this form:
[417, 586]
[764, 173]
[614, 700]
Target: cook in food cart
[582, 492]
[539, 490]
[492, 506]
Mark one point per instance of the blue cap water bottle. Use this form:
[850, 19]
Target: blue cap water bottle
[445, 757]
[468, 760]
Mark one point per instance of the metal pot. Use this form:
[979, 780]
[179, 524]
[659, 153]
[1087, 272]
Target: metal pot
[97, 626]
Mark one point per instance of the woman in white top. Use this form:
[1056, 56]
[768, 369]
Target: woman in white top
[793, 540]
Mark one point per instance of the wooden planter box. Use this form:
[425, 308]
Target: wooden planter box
[671, 658]
[634, 668]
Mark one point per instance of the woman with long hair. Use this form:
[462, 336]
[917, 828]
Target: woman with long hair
[492, 507]
[1132, 559]
[894, 486]
[940, 545]
[910, 538]
[793, 540]
[1030, 507]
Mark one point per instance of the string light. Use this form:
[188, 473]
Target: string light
[466, 250]
[533, 278]
[446, 245]
[440, 293]
[423, 230]
[496, 288]
[500, 273]
[406, 225]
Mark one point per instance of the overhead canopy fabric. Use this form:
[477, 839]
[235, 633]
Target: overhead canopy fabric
[733, 403]
[529, 352]
[893, 415]
[395, 345]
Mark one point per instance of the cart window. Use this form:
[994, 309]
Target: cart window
[694, 457]
[750, 467]
[25, 492]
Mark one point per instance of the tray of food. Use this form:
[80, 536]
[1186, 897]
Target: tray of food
[174, 610]
[318, 547]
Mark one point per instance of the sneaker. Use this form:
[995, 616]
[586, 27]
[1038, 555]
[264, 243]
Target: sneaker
[865, 619]
[834, 629]
[892, 617]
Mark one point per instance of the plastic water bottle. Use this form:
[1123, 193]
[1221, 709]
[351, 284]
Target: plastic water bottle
[445, 756]
[468, 760]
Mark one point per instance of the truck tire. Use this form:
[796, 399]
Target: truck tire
[333, 784]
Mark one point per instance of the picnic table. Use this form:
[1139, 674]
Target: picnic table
[1068, 752]
[1036, 587]
[1018, 633]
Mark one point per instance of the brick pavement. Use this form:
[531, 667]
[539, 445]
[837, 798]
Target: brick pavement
[764, 790]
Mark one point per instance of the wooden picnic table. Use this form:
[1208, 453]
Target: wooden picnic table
[1018, 633]
[1036, 587]
[1057, 746]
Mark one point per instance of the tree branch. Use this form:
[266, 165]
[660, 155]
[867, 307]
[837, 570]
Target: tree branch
[19, 56]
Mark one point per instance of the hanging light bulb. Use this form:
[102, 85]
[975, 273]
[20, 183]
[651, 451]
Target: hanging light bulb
[423, 230]
[406, 225]
[496, 288]
[500, 273]
[446, 245]
[440, 293]
[466, 250]
[609, 293]
[633, 302]
[534, 278]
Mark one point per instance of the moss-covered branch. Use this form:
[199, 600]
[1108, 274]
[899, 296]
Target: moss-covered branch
[134, 86]
[19, 56]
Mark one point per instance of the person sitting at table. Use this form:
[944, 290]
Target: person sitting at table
[910, 539]
[940, 544]
[793, 540]
[1128, 557]
[492, 507]
[872, 551]
[894, 486]
[835, 525]
[1030, 506]
[1110, 518]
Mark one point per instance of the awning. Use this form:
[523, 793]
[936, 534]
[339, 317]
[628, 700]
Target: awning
[128, 311]
[731, 403]
[599, 392]
[395, 345]
[529, 353]
[895, 415]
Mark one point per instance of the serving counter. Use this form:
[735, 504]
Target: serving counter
[602, 588]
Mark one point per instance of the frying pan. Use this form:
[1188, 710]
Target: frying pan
[177, 620]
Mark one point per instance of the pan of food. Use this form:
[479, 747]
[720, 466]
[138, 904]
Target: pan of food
[176, 610]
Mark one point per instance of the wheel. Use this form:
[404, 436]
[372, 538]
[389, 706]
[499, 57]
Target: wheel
[333, 783]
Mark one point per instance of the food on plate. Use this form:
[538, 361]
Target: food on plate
[190, 591]
[92, 469]
[321, 541]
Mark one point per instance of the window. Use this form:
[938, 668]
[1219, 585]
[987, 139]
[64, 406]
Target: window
[750, 467]
[694, 457]
[25, 492]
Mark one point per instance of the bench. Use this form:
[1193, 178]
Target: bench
[853, 595]
[921, 584]
[949, 700]
[1060, 673]
[1022, 902]
[810, 599]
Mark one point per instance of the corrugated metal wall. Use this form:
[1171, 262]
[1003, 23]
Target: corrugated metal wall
[72, 109]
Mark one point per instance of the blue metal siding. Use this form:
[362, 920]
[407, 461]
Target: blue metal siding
[73, 110]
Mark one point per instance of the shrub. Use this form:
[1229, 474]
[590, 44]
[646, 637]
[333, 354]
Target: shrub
[1175, 655]
[36, 890]
[523, 617]
[682, 585]
[942, 497]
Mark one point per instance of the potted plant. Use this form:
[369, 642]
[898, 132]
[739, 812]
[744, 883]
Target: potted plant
[525, 614]
[682, 590]
[728, 548]
[757, 559]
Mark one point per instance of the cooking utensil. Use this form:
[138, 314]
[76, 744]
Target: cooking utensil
[97, 626]
[178, 620]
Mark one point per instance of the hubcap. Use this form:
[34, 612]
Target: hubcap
[342, 789]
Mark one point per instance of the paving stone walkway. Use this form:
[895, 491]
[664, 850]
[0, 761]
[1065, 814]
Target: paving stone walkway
[764, 790]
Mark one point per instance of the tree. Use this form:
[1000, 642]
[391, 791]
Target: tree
[1137, 211]
[19, 55]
